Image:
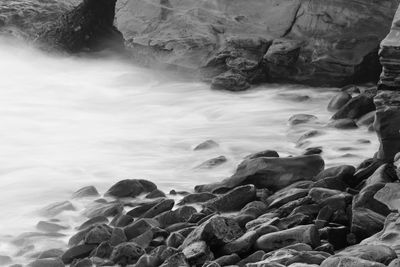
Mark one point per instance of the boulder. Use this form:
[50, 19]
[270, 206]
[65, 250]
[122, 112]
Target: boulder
[231, 81]
[338, 101]
[77, 252]
[206, 145]
[382, 254]
[49, 262]
[131, 188]
[366, 222]
[356, 107]
[87, 191]
[214, 162]
[197, 253]
[126, 253]
[345, 261]
[389, 195]
[271, 173]
[300, 234]
[87, 27]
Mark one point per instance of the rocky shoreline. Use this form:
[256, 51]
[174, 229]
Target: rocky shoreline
[273, 211]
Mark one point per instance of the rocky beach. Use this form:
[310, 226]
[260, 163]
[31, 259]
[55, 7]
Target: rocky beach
[267, 133]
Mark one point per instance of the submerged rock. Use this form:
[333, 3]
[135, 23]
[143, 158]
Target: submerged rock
[131, 188]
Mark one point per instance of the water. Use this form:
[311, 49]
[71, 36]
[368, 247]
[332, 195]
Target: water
[69, 122]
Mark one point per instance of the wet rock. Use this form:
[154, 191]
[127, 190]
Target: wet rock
[233, 200]
[211, 163]
[98, 209]
[82, 263]
[142, 208]
[367, 119]
[176, 260]
[227, 260]
[49, 262]
[180, 215]
[98, 234]
[117, 236]
[256, 256]
[301, 118]
[92, 221]
[56, 208]
[382, 254]
[197, 253]
[131, 188]
[126, 253]
[51, 253]
[301, 234]
[242, 245]
[389, 195]
[349, 262]
[231, 81]
[338, 101]
[365, 199]
[174, 240]
[313, 151]
[263, 154]
[155, 194]
[216, 232]
[88, 191]
[387, 124]
[89, 26]
[102, 251]
[50, 227]
[209, 144]
[384, 174]
[196, 198]
[366, 222]
[122, 220]
[356, 107]
[164, 205]
[77, 252]
[285, 196]
[343, 124]
[271, 173]
[138, 227]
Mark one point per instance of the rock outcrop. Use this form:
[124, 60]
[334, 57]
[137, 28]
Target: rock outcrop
[303, 41]
[87, 27]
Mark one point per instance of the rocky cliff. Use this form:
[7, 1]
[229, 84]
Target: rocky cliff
[387, 120]
[235, 43]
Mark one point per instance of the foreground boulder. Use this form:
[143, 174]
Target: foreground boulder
[271, 173]
[87, 27]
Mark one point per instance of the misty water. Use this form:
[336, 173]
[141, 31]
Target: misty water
[69, 122]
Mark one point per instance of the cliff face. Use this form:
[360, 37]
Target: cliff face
[387, 120]
[306, 41]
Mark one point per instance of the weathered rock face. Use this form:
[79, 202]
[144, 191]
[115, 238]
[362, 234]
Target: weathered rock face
[25, 18]
[315, 42]
[87, 27]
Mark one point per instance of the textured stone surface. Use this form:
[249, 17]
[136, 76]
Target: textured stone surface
[315, 41]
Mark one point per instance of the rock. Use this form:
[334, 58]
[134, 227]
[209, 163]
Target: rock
[94, 220]
[365, 199]
[367, 119]
[301, 118]
[117, 236]
[56, 208]
[242, 245]
[180, 215]
[82, 263]
[176, 260]
[197, 253]
[88, 191]
[356, 107]
[343, 124]
[386, 173]
[319, 53]
[103, 209]
[338, 101]
[366, 222]
[313, 151]
[164, 205]
[142, 208]
[155, 194]
[216, 232]
[196, 198]
[389, 195]
[138, 227]
[211, 163]
[174, 240]
[122, 220]
[263, 154]
[387, 124]
[395, 263]
[234, 200]
[382, 254]
[50, 227]
[51, 253]
[49, 262]
[209, 144]
[231, 81]
[227, 260]
[285, 196]
[271, 173]
[77, 252]
[131, 188]
[89, 26]
[256, 256]
[126, 253]
[301, 234]
[98, 234]
[349, 262]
